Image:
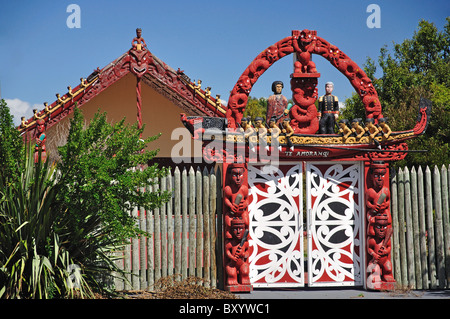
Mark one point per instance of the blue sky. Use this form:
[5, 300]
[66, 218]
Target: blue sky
[210, 40]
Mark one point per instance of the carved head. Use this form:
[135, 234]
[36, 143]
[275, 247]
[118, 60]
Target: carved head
[378, 173]
[236, 172]
[277, 87]
[237, 228]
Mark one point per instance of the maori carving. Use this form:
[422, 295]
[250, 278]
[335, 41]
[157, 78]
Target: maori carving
[303, 43]
[236, 223]
[304, 112]
[40, 139]
[277, 103]
[379, 228]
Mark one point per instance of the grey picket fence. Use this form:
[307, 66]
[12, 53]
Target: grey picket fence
[186, 233]
[183, 233]
[420, 218]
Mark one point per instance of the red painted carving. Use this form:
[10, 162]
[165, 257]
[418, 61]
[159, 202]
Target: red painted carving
[303, 43]
[236, 252]
[379, 228]
[304, 112]
[236, 223]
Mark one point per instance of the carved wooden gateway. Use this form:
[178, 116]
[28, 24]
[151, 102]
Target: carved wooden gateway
[339, 234]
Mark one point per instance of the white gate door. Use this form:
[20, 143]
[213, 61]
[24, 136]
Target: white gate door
[334, 222]
[276, 225]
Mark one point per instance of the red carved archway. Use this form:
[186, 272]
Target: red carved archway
[303, 43]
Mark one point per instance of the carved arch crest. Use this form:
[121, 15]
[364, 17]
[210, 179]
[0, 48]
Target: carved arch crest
[302, 42]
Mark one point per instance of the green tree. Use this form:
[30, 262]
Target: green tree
[256, 107]
[417, 67]
[74, 214]
[104, 170]
[11, 145]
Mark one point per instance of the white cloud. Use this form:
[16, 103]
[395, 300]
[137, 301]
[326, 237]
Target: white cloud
[19, 108]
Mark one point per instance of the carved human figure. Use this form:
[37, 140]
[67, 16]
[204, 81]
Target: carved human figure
[344, 129]
[235, 196]
[40, 139]
[273, 130]
[246, 128]
[237, 253]
[357, 129]
[371, 129]
[276, 103]
[378, 196]
[138, 42]
[385, 130]
[303, 113]
[261, 129]
[287, 131]
[328, 110]
[379, 227]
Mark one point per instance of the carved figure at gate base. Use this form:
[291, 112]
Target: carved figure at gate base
[235, 196]
[40, 139]
[379, 228]
[276, 103]
[237, 253]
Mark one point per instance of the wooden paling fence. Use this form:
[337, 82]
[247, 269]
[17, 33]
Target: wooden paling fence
[183, 233]
[420, 218]
[186, 233]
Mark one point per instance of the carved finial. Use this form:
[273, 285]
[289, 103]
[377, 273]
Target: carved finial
[218, 101]
[58, 98]
[47, 109]
[70, 90]
[198, 85]
[23, 122]
[83, 83]
[35, 113]
[138, 42]
[207, 92]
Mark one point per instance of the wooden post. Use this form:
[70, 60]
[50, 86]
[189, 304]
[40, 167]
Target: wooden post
[213, 211]
[199, 214]
[395, 233]
[430, 228]
[206, 229]
[185, 225]
[219, 236]
[415, 224]
[439, 229]
[157, 237]
[178, 198]
[409, 230]
[446, 221]
[142, 247]
[192, 222]
[401, 224]
[422, 228]
[150, 246]
[170, 227]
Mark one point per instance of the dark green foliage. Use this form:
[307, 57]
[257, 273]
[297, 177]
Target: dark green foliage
[75, 214]
[417, 67]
